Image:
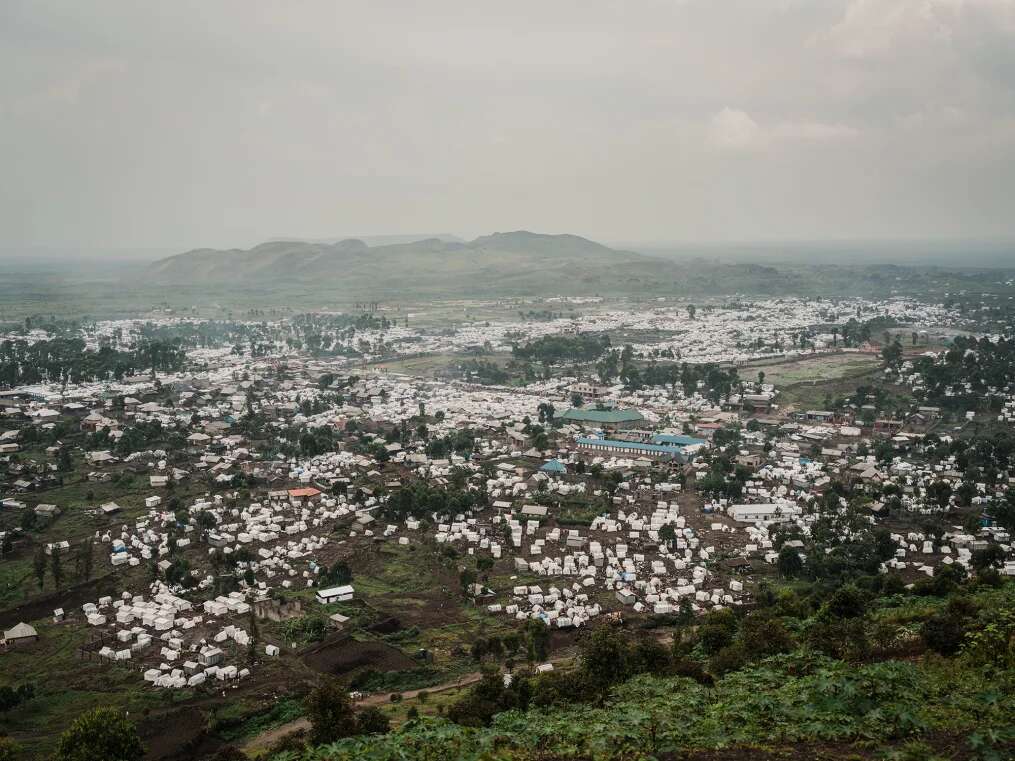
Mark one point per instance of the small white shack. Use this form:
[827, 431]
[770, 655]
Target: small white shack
[335, 594]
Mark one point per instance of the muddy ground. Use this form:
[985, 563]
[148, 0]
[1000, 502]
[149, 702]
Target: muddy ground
[341, 656]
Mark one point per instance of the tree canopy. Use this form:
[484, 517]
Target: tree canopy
[102, 734]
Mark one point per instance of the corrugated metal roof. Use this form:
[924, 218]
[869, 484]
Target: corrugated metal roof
[601, 416]
[553, 466]
[634, 446]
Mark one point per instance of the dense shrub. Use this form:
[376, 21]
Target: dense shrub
[717, 630]
[945, 631]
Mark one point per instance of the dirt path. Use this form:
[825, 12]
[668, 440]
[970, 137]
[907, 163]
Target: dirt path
[269, 737]
[382, 698]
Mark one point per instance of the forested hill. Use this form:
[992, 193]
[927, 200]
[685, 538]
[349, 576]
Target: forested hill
[522, 264]
[502, 259]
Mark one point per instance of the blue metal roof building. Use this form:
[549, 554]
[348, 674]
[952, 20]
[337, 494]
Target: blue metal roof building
[553, 466]
[615, 446]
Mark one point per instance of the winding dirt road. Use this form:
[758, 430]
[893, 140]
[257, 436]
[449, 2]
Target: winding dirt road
[269, 737]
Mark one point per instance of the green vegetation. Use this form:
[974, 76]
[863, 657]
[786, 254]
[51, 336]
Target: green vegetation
[397, 681]
[421, 500]
[460, 442]
[981, 364]
[820, 368]
[484, 372]
[724, 477]
[12, 697]
[100, 735]
[332, 716]
[280, 712]
[783, 700]
[563, 348]
[309, 628]
[858, 665]
[834, 654]
[419, 273]
[22, 362]
[577, 513]
[716, 382]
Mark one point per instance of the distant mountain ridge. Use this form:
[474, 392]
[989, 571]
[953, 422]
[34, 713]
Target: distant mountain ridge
[518, 264]
[431, 264]
[370, 240]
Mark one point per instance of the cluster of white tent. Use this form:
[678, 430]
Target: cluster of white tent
[601, 558]
[138, 625]
[560, 607]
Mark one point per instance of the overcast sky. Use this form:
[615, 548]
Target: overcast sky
[183, 124]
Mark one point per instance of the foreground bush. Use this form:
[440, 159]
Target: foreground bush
[100, 735]
[785, 700]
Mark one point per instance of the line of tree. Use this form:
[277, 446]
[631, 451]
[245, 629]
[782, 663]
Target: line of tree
[960, 378]
[564, 348]
[420, 500]
[68, 360]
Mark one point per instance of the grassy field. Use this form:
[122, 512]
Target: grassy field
[806, 383]
[66, 686]
[818, 369]
[427, 366]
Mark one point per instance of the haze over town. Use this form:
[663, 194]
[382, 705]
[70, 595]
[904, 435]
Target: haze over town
[566, 381]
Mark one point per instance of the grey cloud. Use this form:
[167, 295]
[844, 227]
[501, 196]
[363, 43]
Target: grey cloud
[223, 123]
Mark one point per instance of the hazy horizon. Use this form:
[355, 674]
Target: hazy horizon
[167, 127]
[975, 253]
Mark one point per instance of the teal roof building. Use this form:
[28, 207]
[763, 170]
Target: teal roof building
[601, 417]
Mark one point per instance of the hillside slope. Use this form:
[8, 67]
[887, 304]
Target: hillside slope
[800, 706]
[502, 262]
[513, 264]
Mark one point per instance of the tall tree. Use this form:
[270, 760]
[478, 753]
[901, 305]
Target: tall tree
[330, 713]
[102, 734]
[668, 534]
[254, 636]
[63, 460]
[789, 563]
[39, 565]
[892, 353]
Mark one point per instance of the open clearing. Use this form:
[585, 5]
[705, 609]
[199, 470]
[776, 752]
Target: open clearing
[818, 369]
[424, 366]
[343, 655]
[808, 382]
